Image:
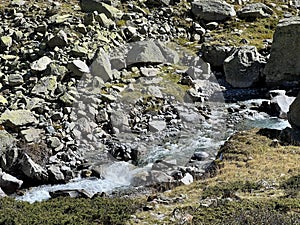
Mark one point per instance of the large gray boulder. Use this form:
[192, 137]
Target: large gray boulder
[101, 7]
[284, 63]
[244, 67]
[150, 52]
[8, 183]
[216, 54]
[294, 113]
[212, 10]
[101, 66]
[254, 11]
[33, 170]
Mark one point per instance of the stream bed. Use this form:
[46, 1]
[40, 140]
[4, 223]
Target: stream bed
[207, 138]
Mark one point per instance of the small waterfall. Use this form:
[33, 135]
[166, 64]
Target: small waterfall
[116, 175]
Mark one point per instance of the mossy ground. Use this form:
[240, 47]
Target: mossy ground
[254, 183]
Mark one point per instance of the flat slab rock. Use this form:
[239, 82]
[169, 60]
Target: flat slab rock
[17, 118]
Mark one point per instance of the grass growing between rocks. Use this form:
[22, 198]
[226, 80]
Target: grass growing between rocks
[68, 211]
[233, 32]
[251, 183]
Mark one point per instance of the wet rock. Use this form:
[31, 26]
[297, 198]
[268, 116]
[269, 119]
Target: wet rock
[74, 193]
[78, 68]
[55, 174]
[17, 118]
[101, 67]
[59, 40]
[200, 156]
[254, 11]
[283, 65]
[32, 170]
[244, 67]
[41, 64]
[281, 103]
[294, 113]
[212, 10]
[8, 183]
[2, 194]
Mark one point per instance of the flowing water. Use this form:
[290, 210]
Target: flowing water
[207, 138]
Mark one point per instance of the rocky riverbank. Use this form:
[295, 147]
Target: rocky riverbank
[85, 84]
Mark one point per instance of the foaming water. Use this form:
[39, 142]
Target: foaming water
[116, 175]
[206, 138]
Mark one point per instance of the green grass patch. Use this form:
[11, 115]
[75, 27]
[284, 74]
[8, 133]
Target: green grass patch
[67, 211]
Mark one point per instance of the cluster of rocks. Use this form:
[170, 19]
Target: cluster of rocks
[63, 74]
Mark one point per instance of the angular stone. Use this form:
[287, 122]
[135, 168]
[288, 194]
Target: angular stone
[32, 134]
[59, 40]
[101, 67]
[157, 125]
[78, 67]
[54, 142]
[187, 179]
[3, 100]
[79, 51]
[17, 3]
[97, 5]
[283, 65]
[103, 20]
[8, 183]
[41, 64]
[33, 170]
[119, 120]
[215, 54]
[243, 68]
[145, 52]
[212, 10]
[45, 86]
[67, 99]
[2, 194]
[55, 174]
[74, 193]
[5, 42]
[6, 140]
[254, 11]
[17, 118]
